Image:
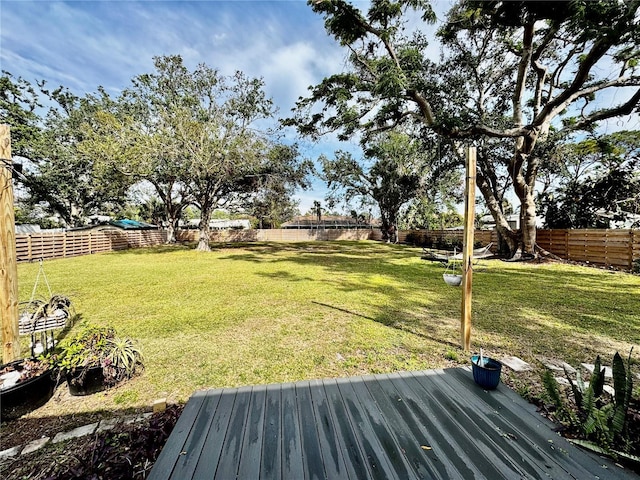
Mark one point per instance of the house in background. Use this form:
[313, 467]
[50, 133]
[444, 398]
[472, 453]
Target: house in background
[222, 224]
[311, 222]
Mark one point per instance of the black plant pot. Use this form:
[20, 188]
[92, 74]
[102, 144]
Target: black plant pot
[26, 396]
[86, 381]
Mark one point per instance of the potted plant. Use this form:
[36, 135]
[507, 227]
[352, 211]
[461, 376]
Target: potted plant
[96, 358]
[25, 385]
[453, 273]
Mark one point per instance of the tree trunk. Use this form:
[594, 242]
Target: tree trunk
[524, 171]
[203, 238]
[507, 238]
[528, 223]
[171, 232]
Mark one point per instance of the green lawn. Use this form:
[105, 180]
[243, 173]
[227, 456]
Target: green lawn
[262, 313]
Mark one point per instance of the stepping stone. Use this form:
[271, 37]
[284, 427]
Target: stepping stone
[137, 418]
[607, 388]
[516, 364]
[75, 433]
[108, 424]
[608, 373]
[552, 366]
[569, 368]
[562, 381]
[35, 445]
[557, 365]
[10, 452]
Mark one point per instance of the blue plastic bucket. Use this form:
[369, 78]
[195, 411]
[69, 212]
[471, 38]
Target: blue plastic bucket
[486, 375]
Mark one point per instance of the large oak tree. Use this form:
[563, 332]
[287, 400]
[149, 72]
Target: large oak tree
[510, 72]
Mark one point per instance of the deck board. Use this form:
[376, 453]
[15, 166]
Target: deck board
[250, 461]
[435, 424]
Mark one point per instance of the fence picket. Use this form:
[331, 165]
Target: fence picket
[618, 248]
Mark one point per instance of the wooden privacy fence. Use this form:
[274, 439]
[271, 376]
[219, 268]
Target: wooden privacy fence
[617, 248]
[279, 235]
[417, 237]
[34, 246]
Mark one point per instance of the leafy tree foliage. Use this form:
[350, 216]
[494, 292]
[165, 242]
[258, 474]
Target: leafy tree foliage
[510, 73]
[195, 135]
[19, 104]
[272, 203]
[398, 172]
[599, 182]
[424, 213]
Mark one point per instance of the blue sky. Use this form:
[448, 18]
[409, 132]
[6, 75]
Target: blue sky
[86, 44]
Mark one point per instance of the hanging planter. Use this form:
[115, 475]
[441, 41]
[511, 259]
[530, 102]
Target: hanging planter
[453, 274]
[25, 386]
[452, 279]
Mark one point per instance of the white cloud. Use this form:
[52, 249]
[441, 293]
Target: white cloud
[83, 45]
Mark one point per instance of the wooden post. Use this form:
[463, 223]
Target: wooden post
[8, 264]
[467, 254]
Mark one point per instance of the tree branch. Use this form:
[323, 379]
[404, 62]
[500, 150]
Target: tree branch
[624, 109]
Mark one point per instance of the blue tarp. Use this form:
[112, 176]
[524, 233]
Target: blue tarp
[127, 224]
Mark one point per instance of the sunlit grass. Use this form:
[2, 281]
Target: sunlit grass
[262, 313]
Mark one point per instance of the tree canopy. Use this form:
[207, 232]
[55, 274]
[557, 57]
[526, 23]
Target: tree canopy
[196, 136]
[395, 170]
[596, 181]
[515, 73]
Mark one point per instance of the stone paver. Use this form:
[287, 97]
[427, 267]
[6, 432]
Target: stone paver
[75, 433]
[10, 452]
[35, 445]
[108, 424]
[557, 365]
[516, 364]
[608, 373]
[137, 418]
[97, 427]
[160, 405]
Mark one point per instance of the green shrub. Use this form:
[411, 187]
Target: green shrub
[598, 420]
[94, 346]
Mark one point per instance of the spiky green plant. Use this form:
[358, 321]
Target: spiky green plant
[603, 423]
[623, 386]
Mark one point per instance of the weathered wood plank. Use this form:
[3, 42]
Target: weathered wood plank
[211, 439]
[462, 447]
[382, 454]
[234, 435]
[188, 457]
[313, 461]
[499, 443]
[291, 435]
[172, 450]
[433, 425]
[556, 457]
[252, 445]
[407, 430]
[444, 446]
[270, 464]
[330, 445]
[357, 467]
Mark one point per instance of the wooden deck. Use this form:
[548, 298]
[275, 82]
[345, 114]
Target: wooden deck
[431, 424]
